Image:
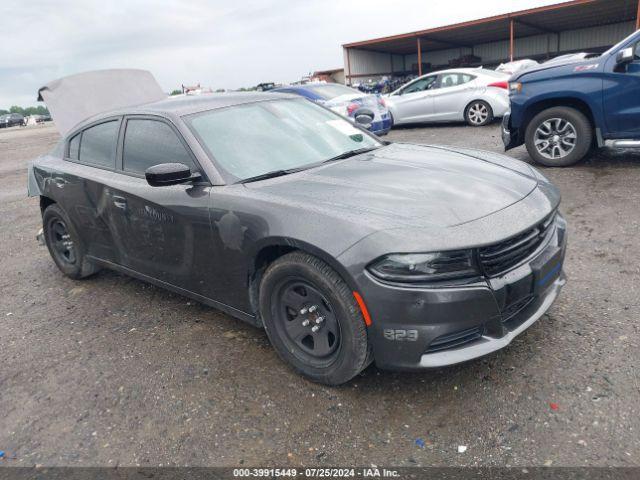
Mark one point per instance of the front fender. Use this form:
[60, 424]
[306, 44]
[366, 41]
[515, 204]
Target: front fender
[298, 244]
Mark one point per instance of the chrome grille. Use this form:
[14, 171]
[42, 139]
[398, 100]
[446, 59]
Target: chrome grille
[500, 257]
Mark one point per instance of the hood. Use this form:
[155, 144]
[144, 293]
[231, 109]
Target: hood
[78, 97]
[404, 185]
[559, 65]
[511, 68]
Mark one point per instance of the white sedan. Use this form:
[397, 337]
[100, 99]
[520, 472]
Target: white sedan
[474, 95]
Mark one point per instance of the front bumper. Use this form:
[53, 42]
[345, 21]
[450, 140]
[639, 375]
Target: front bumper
[506, 133]
[419, 327]
[510, 136]
[487, 344]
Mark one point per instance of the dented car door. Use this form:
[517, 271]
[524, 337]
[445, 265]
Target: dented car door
[158, 231]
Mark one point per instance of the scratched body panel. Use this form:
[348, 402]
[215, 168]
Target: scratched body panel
[207, 237]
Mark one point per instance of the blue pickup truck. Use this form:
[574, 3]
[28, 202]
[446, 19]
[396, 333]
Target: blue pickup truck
[562, 111]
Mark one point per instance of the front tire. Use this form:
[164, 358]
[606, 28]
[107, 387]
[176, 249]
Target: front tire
[64, 244]
[559, 137]
[313, 320]
[478, 113]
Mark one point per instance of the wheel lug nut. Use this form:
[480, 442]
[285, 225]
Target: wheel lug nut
[319, 319]
[312, 308]
[315, 328]
[304, 311]
[305, 322]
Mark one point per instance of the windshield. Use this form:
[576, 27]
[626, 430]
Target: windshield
[327, 92]
[262, 137]
[619, 44]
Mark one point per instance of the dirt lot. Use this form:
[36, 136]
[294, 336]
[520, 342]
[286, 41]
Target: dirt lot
[112, 371]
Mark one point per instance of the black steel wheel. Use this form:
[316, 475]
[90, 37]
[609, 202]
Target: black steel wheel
[313, 320]
[307, 323]
[64, 244]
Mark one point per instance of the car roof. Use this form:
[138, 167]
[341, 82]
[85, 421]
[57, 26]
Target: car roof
[306, 86]
[188, 104]
[181, 105]
[469, 70]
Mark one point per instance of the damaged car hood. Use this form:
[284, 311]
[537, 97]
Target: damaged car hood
[404, 185]
[75, 98]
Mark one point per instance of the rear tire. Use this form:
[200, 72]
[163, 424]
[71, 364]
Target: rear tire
[64, 244]
[298, 289]
[478, 113]
[559, 137]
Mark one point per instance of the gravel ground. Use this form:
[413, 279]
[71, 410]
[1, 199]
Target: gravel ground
[112, 371]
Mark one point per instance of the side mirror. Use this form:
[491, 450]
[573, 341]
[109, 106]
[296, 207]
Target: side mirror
[625, 56]
[169, 174]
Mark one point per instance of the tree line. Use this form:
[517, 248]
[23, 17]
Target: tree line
[39, 110]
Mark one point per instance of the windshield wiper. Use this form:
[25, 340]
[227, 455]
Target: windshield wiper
[273, 174]
[280, 173]
[350, 153]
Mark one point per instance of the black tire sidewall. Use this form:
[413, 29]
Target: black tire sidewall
[584, 133]
[353, 351]
[489, 117]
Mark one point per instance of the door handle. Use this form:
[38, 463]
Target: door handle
[120, 202]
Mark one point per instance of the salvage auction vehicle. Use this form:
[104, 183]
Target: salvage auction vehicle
[280, 212]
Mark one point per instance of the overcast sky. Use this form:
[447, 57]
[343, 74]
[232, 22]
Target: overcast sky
[222, 44]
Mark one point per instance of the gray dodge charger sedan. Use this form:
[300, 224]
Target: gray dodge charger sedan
[346, 249]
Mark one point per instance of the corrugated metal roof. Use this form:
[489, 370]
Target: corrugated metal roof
[575, 14]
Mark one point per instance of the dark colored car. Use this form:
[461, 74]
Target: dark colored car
[346, 249]
[11, 120]
[563, 109]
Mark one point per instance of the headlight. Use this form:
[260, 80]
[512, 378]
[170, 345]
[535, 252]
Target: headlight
[515, 87]
[425, 267]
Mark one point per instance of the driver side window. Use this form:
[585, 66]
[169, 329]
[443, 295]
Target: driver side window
[427, 83]
[152, 142]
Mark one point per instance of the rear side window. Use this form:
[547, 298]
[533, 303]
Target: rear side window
[455, 79]
[151, 142]
[74, 147]
[98, 145]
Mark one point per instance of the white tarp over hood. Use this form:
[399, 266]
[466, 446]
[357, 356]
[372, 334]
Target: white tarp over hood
[75, 98]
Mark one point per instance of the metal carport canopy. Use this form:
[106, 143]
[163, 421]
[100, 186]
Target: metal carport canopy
[570, 15]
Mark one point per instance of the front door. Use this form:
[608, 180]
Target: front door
[414, 103]
[621, 96]
[161, 232]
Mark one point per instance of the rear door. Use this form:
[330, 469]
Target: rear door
[453, 95]
[91, 160]
[414, 103]
[621, 96]
[160, 232]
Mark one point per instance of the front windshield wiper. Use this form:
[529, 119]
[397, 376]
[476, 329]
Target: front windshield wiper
[273, 174]
[350, 153]
[280, 173]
